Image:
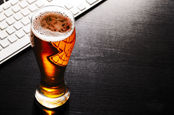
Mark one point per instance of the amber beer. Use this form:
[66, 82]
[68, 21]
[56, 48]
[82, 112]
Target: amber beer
[52, 38]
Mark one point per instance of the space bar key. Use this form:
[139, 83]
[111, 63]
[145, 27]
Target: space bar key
[14, 49]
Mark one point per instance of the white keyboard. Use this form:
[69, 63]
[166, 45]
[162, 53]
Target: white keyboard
[15, 21]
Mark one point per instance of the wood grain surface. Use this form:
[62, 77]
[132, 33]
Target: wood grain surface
[122, 64]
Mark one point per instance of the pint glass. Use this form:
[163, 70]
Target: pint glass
[52, 38]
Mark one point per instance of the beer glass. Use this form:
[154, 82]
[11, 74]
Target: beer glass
[52, 39]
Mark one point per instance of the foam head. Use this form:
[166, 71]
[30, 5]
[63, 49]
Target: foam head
[52, 23]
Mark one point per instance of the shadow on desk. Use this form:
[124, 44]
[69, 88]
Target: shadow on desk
[40, 110]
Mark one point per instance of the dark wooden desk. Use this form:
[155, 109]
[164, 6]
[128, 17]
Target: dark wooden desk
[122, 64]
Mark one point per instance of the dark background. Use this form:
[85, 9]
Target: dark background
[122, 64]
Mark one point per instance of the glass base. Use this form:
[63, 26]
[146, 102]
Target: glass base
[51, 102]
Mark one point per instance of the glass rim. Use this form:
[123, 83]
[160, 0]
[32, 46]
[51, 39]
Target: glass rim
[53, 8]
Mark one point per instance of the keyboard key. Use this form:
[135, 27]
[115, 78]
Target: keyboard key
[2, 17]
[25, 21]
[25, 12]
[3, 25]
[10, 30]
[8, 13]
[49, 0]
[27, 29]
[20, 34]
[13, 2]
[1, 10]
[6, 5]
[33, 8]
[1, 48]
[39, 4]
[10, 20]
[29, 16]
[81, 7]
[4, 43]
[3, 34]
[31, 1]
[18, 25]
[74, 11]
[23, 4]
[91, 1]
[18, 16]
[68, 6]
[16, 8]
[12, 38]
